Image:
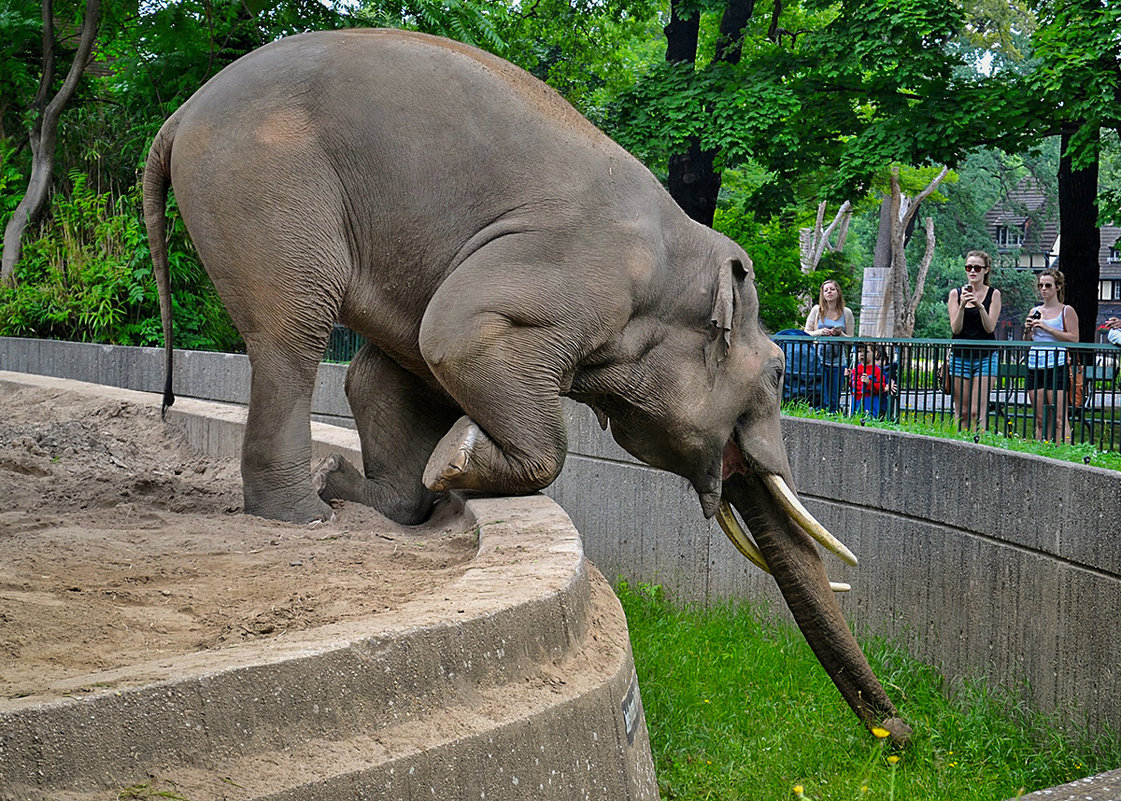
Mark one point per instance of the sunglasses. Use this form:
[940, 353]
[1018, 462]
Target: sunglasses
[974, 268]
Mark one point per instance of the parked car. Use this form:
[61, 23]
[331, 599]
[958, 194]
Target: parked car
[804, 376]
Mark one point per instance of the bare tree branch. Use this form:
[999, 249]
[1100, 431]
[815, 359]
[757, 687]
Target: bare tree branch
[904, 301]
[813, 243]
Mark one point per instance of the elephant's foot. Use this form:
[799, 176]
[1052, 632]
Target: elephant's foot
[338, 479]
[467, 459]
[281, 505]
[450, 466]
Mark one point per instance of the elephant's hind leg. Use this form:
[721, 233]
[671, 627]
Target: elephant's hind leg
[276, 453]
[400, 419]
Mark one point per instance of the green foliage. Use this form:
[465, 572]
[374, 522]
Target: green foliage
[1078, 76]
[88, 278]
[738, 707]
[12, 182]
[20, 53]
[465, 21]
[773, 248]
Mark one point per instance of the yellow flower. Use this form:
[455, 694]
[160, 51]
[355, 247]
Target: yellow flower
[881, 733]
[798, 791]
[893, 758]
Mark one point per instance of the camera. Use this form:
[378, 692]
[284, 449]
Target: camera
[1035, 315]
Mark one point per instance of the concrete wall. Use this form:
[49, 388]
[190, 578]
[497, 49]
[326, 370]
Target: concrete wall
[980, 560]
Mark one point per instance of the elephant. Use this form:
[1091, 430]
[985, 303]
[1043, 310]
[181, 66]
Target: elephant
[498, 252]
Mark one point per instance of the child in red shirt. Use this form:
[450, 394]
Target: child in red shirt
[867, 383]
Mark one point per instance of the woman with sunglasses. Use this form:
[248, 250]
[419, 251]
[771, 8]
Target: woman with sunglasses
[974, 309]
[1048, 376]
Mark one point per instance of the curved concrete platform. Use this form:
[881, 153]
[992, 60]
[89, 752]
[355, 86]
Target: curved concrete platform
[530, 694]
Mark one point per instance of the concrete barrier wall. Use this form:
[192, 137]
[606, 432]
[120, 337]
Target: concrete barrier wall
[979, 560]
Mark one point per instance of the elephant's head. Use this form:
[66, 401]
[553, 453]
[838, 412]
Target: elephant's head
[697, 393]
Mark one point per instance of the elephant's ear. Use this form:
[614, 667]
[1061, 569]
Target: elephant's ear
[723, 313]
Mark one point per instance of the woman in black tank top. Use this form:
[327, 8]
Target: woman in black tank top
[974, 309]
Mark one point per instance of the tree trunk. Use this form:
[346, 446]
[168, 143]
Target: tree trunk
[44, 131]
[693, 179]
[900, 299]
[681, 34]
[1080, 236]
[694, 182]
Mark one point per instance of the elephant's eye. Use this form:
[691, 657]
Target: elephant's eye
[774, 373]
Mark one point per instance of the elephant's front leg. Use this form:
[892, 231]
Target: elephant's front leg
[506, 377]
[399, 419]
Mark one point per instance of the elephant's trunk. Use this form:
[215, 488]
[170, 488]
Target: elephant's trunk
[792, 557]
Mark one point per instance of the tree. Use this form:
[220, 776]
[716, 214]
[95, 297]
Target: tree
[1081, 237]
[904, 299]
[44, 126]
[1079, 82]
[694, 181]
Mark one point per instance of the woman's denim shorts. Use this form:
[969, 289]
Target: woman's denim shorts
[972, 364]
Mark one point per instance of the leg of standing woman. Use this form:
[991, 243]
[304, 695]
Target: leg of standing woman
[1062, 425]
[980, 401]
[1038, 398]
[959, 391]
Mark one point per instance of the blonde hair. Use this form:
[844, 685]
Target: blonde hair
[821, 296]
[1060, 282]
[986, 258]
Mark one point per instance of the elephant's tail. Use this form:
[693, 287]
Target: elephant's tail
[157, 179]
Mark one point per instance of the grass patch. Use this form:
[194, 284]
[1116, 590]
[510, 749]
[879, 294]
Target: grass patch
[738, 708]
[942, 426]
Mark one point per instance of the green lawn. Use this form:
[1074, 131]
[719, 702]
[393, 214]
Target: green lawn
[739, 708]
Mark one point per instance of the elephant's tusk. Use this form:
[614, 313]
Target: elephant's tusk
[727, 520]
[783, 494]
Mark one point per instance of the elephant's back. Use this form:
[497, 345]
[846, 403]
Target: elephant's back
[400, 92]
[412, 152]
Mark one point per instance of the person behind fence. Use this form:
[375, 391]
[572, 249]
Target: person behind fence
[1113, 328]
[1048, 376]
[890, 367]
[867, 382]
[830, 317]
[974, 309]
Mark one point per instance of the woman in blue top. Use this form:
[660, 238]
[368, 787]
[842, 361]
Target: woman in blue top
[1048, 377]
[974, 310]
[830, 317]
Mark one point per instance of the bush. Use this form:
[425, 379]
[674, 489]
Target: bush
[87, 277]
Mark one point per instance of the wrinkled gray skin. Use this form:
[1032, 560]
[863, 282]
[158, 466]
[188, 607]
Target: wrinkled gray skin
[498, 252]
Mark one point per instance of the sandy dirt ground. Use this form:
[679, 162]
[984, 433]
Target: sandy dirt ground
[119, 545]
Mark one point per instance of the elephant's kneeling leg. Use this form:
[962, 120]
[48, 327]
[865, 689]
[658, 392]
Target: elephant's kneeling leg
[338, 479]
[399, 420]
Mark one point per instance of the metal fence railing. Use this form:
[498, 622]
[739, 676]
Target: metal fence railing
[343, 344]
[1066, 393]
